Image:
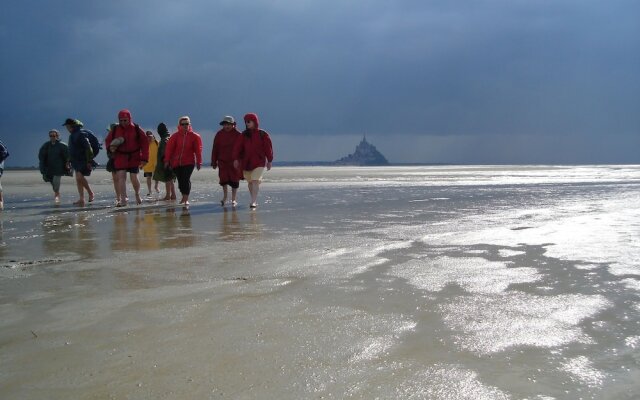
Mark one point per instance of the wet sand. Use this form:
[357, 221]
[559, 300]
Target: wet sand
[399, 282]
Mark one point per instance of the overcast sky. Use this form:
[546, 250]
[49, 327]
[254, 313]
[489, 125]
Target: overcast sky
[501, 81]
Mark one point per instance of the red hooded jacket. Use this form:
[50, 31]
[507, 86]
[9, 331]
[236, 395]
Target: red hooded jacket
[253, 148]
[135, 147]
[184, 148]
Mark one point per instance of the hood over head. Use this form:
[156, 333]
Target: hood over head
[162, 130]
[252, 117]
[125, 114]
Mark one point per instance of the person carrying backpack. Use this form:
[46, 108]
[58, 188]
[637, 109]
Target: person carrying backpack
[54, 162]
[129, 156]
[4, 153]
[81, 155]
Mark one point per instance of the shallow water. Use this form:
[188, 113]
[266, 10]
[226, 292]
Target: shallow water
[399, 282]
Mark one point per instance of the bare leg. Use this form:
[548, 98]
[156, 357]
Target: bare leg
[136, 186]
[148, 186]
[224, 193]
[234, 195]
[121, 182]
[115, 187]
[250, 187]
[173, 190]
[167, 188]
[254, 187]
[81, 184]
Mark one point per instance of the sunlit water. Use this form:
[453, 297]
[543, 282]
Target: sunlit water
[390, 283]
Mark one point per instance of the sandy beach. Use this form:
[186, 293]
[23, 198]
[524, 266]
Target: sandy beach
[474, 282]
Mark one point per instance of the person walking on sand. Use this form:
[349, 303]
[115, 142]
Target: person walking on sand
[54, 162]
[164, 173]
[129, 156]
[222, 159]
[81, 156]
[253, 152]
[151, 165]
[183, 153]
[111, 151]
[4, 153]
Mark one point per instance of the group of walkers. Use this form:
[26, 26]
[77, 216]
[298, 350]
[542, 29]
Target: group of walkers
[236, 155]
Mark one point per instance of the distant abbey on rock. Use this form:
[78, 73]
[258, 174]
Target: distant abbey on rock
[365, 154]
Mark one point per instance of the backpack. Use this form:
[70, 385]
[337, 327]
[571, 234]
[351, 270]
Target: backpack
[4, 153]
[93, 141]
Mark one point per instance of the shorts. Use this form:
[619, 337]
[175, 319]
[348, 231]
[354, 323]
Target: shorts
[133, 170]
[148, 174]
[234, 185]
[254, 175]
[81, 167]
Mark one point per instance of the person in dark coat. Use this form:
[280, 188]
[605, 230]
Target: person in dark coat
[222, 159]
[164, 173]
[54, 162]
[81, 158]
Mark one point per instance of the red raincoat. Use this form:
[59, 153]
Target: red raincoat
[135, 147]
[222, 155]
[254, 147]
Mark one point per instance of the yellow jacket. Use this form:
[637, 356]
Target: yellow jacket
[153, 156]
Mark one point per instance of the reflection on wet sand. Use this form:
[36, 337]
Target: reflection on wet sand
[179, 233]
[152, 230]
[232, 229]
[230, 225]
[69, 232]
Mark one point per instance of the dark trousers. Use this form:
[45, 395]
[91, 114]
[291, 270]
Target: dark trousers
[183, 173]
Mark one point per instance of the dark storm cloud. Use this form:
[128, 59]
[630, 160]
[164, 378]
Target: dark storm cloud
[443, 68]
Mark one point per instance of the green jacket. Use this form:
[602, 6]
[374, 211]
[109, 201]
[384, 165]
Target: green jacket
[53, 158]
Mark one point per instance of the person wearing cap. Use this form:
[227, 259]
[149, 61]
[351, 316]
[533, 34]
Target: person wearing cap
[81, 157]
[129, 156]
[151, 165]
[253, 151]
[54, 162]
[164, 173]
[222, 158]
[183, 154]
